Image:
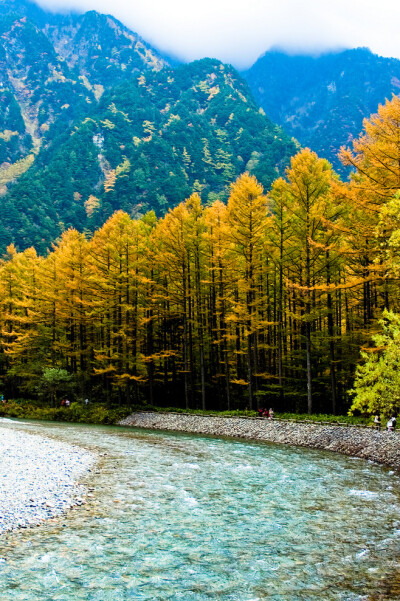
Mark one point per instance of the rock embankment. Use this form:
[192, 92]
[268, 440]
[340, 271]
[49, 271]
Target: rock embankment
[381, 447]
[38, 477]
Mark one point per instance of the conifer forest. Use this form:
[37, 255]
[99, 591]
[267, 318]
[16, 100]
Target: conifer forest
[265, 299]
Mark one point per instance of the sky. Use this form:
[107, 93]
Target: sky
[238, 32]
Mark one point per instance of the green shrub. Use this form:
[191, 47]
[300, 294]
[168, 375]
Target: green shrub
[99, 414]
[94, 414]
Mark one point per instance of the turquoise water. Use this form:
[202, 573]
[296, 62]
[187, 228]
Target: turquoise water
[180, 517]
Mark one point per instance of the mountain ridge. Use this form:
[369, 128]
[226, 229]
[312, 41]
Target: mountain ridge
[322, 100]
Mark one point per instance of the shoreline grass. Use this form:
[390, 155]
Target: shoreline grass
[100, 414]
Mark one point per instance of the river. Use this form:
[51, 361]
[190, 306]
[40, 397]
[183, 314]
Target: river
[183, 517]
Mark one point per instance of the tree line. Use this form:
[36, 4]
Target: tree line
[264, 300]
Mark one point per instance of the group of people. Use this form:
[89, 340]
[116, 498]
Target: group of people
[263, 412]
[390, 426]
[67, 402]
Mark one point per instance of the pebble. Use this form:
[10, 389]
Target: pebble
[38, 478]
[381, 447]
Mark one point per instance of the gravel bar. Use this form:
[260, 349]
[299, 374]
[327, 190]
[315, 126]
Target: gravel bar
[38, 477]
[381, 447]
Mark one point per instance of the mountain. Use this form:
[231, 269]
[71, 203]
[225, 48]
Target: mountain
[322, 101]
[101, 48]
[93, 120]
[37, 88]
[52, 69]
[91, 52]
[147, 145]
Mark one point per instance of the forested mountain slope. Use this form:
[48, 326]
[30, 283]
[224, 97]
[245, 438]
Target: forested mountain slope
[147, 145]
[93, 120]
[37, 88]
[322, 101]
[53, 68]
[101, 48]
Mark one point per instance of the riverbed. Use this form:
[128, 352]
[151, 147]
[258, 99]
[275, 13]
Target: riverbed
[171, 516]
[38, 477]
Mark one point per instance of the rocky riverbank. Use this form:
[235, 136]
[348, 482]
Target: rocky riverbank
[380, 447]
[38, 477]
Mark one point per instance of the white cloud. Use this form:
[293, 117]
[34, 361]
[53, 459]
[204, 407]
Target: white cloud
[239, 32]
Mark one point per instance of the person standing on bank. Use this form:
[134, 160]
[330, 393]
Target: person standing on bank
[377, 421]
[391, 425]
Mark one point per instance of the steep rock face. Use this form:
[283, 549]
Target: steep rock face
[322, 101]
[41, 83]
[101, 48]
[52, 69]
[147, 145]
[15, 141]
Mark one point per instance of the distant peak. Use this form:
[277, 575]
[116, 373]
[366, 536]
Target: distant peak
[306, 52]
